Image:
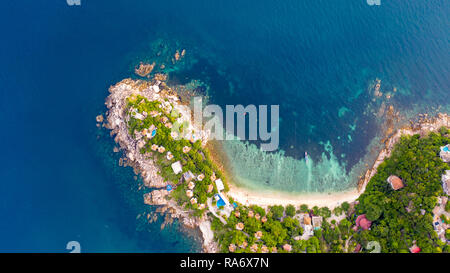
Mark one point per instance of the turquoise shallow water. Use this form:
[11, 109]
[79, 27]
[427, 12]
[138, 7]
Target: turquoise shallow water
[59, 178]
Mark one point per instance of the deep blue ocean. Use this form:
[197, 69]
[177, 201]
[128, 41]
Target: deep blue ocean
[60, 180]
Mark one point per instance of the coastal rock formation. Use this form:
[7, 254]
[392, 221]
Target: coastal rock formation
[156, 197]
[116, 116]
[423, 127]
[143, 163]
[144, 69]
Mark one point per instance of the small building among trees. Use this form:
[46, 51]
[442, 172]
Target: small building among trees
[446, 182]
[363, 222]
[396, 182]
[445, 153]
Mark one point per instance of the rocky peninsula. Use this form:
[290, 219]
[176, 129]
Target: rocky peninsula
[144, 163]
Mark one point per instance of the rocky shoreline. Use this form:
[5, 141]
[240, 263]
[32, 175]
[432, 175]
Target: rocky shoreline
[423, 126]
[116, 121]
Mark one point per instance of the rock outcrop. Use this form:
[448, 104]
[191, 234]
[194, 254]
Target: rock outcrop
[423, 127]
[156, 197]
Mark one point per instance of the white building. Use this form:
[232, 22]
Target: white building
[137, 115]
[446, 182]
[176, 167]
[308, 231]
[219, 185]
[317, 221]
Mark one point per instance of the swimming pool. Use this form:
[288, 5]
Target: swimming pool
[445, 149]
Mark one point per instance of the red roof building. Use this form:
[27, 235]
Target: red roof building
[414, 249]
[362, 222]
[396, 182]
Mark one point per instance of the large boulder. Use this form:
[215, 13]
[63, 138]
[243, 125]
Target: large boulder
[156, 197]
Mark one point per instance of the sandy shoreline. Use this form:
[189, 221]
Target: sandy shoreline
[334, 199]
[265, 199]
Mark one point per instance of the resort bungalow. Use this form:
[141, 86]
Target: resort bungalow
[287, 247]
[254, 248]
[186, 149]
[306, 220]
[176, 167]
[193, 200]
[414, 249]
[243, 245]
[240, 226]
[154, 113]
[363, 222]
[213, 177]
[191, 185]
[219, 185]
[232, 247]
[200, 177]
[264, 249]
[317, 221]
[446, 181]
[161, 149]
[188, 176]
[189, 193]
[169, 156]
[154, 147]
[164, 119]
[135, 114]
[308, 231]
[445, 153]
[396, 182]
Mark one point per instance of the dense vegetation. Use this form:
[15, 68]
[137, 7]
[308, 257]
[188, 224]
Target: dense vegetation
[197, 160]
[416, 160]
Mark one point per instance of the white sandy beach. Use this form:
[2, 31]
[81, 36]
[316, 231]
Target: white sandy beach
[264, 199]
[334, 199]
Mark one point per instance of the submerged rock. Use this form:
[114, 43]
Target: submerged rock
[99, 118]
[144, 69]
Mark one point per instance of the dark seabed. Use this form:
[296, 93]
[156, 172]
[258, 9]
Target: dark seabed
[60, 180]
